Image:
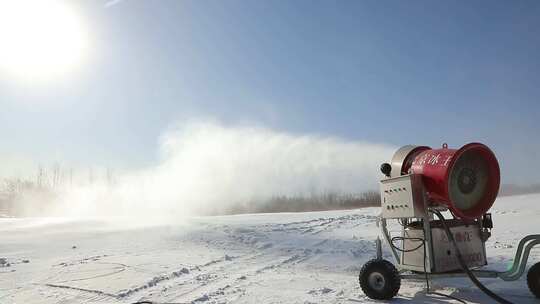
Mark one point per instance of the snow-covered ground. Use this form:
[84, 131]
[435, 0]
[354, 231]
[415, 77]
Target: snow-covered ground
[309, 257]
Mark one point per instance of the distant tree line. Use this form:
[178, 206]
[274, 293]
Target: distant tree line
[511, 189]
[304, 203]
[36, 192]
[15, 193]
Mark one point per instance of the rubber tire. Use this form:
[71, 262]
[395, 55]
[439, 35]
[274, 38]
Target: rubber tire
[392, 281]
[533, 279]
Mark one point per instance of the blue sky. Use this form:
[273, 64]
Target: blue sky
[395, 72]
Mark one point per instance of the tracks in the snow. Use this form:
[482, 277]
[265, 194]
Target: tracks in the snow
[261, 247]
[94, 291]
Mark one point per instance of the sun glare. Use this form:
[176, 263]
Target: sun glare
[39, 40]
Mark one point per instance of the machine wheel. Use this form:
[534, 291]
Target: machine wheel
[533, 279]
[379, 279]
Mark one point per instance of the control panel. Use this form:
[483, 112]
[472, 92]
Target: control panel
[402, 197]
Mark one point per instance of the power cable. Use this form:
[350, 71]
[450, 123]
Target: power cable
[463, 265]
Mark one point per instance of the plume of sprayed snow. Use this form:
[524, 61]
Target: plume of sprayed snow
[206, 167]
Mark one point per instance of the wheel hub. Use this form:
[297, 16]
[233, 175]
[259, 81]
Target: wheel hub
[376, 281]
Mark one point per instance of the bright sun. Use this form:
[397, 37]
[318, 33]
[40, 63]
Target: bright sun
[40, 39]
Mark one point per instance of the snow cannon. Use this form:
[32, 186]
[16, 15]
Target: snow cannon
[466, 180]
[420, 185]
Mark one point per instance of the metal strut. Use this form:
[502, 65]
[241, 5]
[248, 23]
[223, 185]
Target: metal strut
[382, 223]
[520, 260]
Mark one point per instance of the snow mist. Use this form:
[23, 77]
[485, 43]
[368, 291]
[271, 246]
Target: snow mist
[207, 167]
